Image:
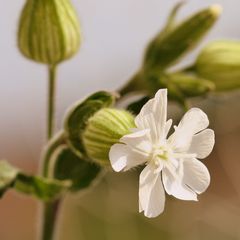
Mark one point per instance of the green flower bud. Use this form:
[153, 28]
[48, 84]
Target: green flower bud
[219, 61]
[175, 41]
[48, 31]
[190, 85]
[180, 85]
[104, 129]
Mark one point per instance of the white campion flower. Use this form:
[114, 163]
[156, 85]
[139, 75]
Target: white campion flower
[171, 163]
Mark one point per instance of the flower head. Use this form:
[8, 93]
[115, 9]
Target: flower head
[171, 162]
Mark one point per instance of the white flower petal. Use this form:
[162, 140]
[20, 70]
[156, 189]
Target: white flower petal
[196, 175]
[167, 127]
[151, 193]
[153, 115]
[123, 158]
[138, 141]
[175, 187]
[194, 121]
[202, 143]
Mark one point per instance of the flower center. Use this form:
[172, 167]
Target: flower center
[160, 156]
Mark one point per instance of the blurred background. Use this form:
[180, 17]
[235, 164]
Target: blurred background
[115, 34]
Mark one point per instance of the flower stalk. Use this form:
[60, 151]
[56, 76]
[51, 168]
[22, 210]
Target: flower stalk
[50, 209]
[49, 33]
[51, 100]
[50, 212]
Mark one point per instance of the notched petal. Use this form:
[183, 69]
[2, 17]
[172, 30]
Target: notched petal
[138, 141]
[118, 157]
[194, 121]
[123, 157]
[151, 193]
[154, 114]
[175, 187]
[196, 175]
[202, 143]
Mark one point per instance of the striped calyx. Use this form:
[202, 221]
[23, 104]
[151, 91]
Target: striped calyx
[48, 31]
[219, 62]
[104, 129]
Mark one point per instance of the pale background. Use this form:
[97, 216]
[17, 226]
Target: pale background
[114, 36]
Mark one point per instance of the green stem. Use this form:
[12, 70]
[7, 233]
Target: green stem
[55, 142]
[51, 99]
[50, 209]
[50, 212]
[137, 83]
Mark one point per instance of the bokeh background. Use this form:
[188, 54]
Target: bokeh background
[115, 34]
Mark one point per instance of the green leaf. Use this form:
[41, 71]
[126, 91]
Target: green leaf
[166, 49]
[67, 165]
[77, 117]
[42, 188]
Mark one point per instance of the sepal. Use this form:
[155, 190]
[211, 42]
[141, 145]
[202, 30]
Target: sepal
[77, 117]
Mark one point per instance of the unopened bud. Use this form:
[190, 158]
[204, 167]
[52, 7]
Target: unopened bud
[180, 85]
[104, 129]
[48, 31]
[169, 46]
[219, 61]
[190, 85]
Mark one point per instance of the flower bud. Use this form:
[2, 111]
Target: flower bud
[219, 61]
[104, 129]
[48, 31]
[180, 85]
[190, 85]
[169, 46]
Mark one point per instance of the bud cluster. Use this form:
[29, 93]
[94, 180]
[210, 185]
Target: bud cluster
[167, 49]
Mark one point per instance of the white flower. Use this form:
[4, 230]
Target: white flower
[171, 163]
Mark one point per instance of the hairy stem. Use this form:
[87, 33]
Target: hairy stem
[50, 209]
[55, 142]
[51, 100]
[50, 212]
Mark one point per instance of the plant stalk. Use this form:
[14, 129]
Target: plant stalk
[50, 209]
[51, 100]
